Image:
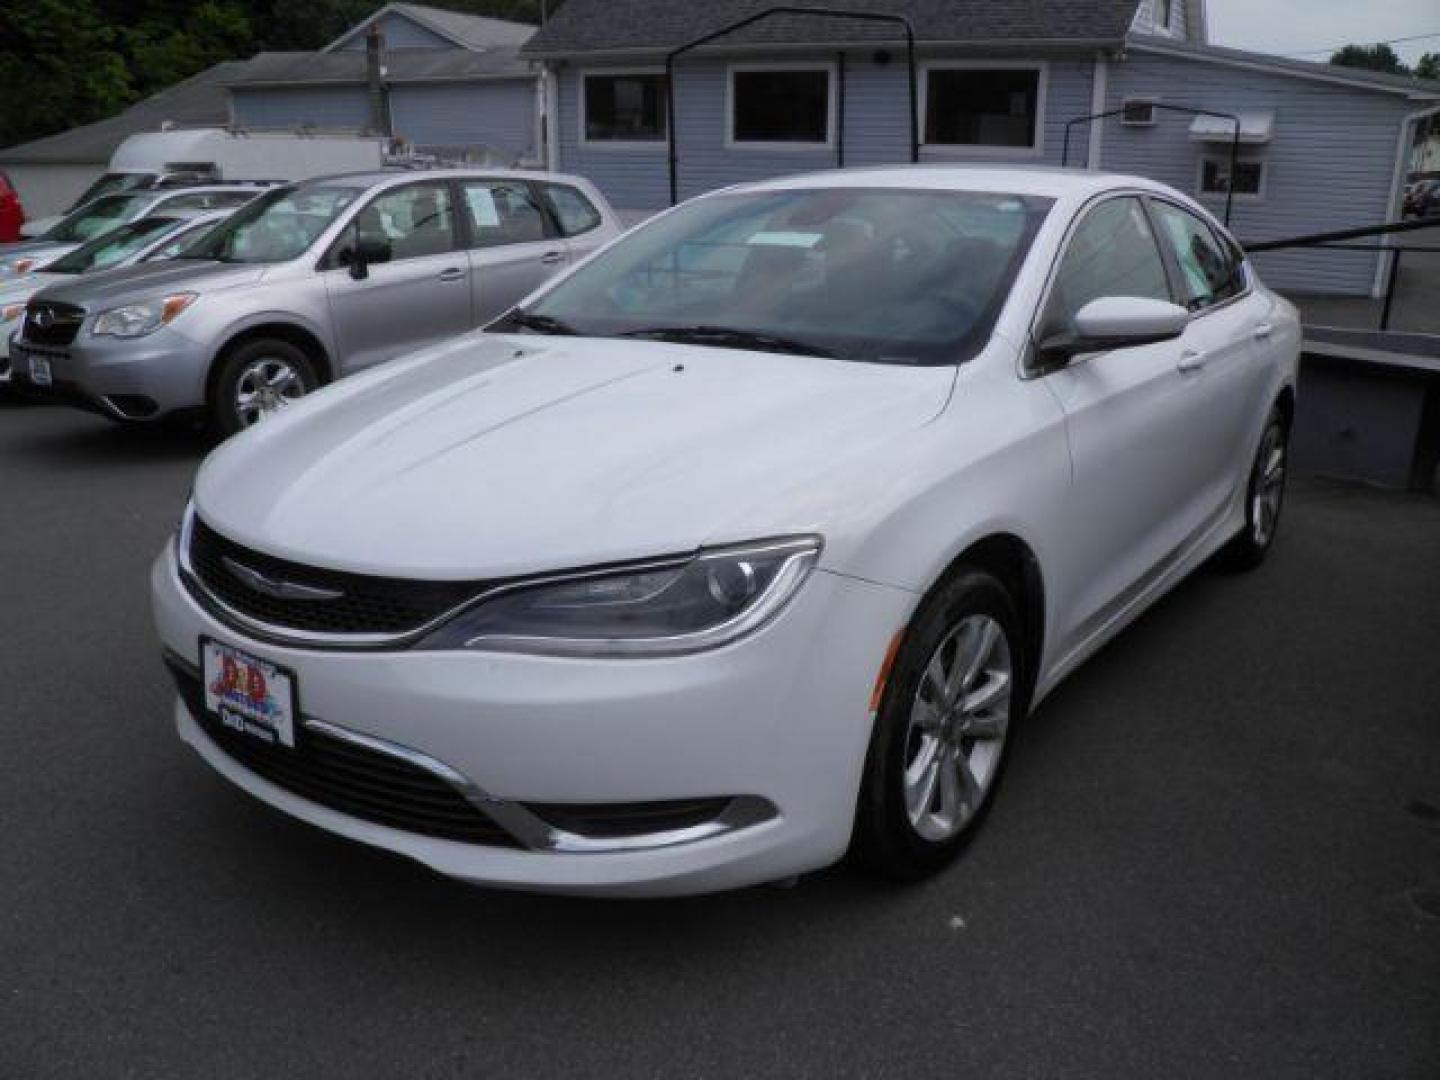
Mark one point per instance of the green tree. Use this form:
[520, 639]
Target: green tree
[60, 65]
[1379, 57]
[1428, 66]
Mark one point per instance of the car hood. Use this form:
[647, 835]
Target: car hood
[15, 290]
[134, 284]
[500, 455]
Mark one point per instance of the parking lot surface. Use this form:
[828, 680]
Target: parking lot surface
[1211, 856]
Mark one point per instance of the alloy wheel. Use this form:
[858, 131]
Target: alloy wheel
[1268, 488]
[957, 728]
[264, 387]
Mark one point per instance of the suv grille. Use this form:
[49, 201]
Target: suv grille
[367, 604]
[52, 323]
[351, 779]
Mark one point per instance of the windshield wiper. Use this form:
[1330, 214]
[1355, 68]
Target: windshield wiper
[537, 324]
[727, 337]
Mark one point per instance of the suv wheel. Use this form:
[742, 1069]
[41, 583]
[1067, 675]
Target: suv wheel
[256, 381]
[958, 683]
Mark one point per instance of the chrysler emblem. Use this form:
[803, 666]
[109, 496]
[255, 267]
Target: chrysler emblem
[280, 590]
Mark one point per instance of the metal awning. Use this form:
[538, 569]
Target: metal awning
[1255, 127]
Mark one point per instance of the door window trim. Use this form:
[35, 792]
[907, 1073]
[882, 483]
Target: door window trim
[549, 226]
[328, 260]
[1172, 263]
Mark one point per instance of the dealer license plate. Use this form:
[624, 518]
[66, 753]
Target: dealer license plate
[40, 371]
[249, 695]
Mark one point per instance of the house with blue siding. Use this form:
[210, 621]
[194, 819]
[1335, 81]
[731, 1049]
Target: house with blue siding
[1319, 147]
[450, 83]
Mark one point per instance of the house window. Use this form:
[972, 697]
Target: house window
[778, 106]
[1138, 112]
[983, 106]
[1162, 14]
[624, 107]
[1215, 178]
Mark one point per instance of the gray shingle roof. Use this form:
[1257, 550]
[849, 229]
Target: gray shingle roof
[1425, 88]
[199, 101]
[401, 66]
[466, 30]
[606, 25]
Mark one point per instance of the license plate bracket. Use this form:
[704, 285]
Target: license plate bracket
[40, 373]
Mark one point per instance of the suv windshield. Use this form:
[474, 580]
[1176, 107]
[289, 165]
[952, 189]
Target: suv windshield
[112, 248]
[278, 226]
[95, 218]
[882, 275]
[114, 183]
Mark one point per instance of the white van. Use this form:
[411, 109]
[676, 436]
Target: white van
[215, 155]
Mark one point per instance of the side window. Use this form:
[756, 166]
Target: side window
[1208, 272]
[575, 213]
[414, 221]
[502, 212]
[1112, 253]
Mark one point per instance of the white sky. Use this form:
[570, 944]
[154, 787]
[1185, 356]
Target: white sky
[1292, 26]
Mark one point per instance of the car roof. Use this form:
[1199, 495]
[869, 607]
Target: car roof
[1048, 181]
[386, 177]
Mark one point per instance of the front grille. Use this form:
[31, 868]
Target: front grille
[368, 604]
[50, 322]
[352, 779]
[614, 820]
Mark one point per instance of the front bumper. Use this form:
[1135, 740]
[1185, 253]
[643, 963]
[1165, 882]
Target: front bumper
[780, 718]
[138, 380]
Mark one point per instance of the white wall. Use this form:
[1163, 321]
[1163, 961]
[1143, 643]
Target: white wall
[50, 189]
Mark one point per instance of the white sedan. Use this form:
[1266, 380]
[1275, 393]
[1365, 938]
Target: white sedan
[742, 545]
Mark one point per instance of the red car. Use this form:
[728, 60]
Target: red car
[12, 214]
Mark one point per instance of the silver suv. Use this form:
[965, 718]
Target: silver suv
[308, 283]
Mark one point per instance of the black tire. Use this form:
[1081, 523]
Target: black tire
[885, 840]
[1248, 548]
[225, 414]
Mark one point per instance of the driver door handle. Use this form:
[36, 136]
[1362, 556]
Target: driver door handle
[550, 258]
[454, 273]
[1192, 360]
[1264, 330]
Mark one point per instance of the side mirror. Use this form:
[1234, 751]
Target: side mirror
[360, 254]
[1114, 322]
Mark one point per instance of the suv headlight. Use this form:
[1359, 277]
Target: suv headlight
[659, 609]
[137, 320]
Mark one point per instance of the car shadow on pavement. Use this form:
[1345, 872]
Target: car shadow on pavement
[88, 440]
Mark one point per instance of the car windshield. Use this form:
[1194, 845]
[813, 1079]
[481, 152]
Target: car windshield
[278, 226]
[882, 275]
[114, 247]
[178, 246]
[113, 183]
[96, 218]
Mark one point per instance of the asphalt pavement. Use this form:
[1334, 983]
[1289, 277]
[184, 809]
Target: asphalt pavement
[1211, 857]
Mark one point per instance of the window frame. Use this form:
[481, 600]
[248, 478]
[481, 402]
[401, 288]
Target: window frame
[543, 189]
[329, 261]
[989, 151]
[1139, 99]
[582, 111]
[1155, 20]
[1223, 162]
[789, 147]
[550, 227]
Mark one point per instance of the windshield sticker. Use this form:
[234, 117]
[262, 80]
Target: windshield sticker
[785, 239]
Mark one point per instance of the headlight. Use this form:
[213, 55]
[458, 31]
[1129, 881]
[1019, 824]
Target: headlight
[660, 609]
[11, 312]
[137, 320]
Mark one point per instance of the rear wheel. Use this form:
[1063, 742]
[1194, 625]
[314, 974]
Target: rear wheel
[938, 748]
[1264, 498]
[257, 380]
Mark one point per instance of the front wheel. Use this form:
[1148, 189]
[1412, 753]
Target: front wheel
[256, 381]
[957, 686]
[1264, 497]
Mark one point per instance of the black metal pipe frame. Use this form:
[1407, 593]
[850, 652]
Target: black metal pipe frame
[1234, 138]
[822, 12]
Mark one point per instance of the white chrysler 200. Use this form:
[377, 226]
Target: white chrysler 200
[744, 544]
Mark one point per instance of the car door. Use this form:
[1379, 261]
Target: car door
[418, 291]
[1220, 351]
[513, 244]
[1133, 422]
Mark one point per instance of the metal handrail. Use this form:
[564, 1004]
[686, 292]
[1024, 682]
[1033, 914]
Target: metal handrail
[822, 12]
[1188, 110]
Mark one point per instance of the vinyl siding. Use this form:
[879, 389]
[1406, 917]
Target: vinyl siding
[1329, 165]
[330, 107]
[499, 115]
[401, 33]
[877, 130]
